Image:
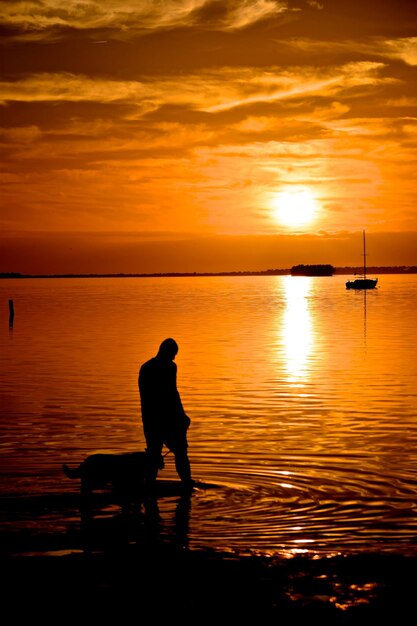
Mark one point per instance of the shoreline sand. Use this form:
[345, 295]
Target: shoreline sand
[61, 563]
[182, 585]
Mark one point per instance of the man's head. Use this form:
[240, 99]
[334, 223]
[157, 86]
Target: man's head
[168, 349]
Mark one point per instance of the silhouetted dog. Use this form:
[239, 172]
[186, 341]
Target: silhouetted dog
[124, 473]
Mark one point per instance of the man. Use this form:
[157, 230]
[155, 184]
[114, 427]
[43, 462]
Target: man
[164, 419]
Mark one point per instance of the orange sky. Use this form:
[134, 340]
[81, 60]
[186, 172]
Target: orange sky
[141, 136]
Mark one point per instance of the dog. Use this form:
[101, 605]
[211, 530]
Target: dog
[124, 473]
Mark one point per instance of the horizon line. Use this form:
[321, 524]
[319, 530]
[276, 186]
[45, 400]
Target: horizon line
[338, 270]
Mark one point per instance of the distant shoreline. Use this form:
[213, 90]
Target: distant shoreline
[401, 269]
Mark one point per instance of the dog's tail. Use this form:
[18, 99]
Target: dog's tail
[71, 473]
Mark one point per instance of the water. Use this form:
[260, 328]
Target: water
[302, 397]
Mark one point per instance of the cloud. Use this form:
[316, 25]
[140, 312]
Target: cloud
[33, 19]
[211, 91]
[256, 87]
[20, 135]
[69, 87]
[402, 48]
[248, 12]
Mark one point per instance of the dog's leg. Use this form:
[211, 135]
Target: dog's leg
[86, 494]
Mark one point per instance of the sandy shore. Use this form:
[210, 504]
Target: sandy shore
[162, 581]
[122, 567]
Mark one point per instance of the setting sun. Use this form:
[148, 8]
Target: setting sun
[295, 207]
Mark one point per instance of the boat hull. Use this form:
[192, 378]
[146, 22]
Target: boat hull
[362, 283]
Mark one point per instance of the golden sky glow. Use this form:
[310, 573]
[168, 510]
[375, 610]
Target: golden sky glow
[160, 136]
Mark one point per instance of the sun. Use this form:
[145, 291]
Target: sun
[295, 207]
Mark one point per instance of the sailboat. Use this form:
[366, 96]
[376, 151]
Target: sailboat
[362, 282]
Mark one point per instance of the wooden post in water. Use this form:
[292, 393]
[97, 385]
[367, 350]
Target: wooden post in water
[11, 313]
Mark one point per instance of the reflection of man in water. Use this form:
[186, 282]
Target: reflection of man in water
[163, 416]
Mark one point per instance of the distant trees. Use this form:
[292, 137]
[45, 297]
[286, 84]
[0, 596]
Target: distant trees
[312, 270]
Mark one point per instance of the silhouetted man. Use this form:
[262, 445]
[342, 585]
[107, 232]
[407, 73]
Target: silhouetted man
[164, 419]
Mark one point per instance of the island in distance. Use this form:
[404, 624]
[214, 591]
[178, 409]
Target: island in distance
[312, 270]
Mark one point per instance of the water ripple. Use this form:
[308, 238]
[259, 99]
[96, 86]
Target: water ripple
[283, 511]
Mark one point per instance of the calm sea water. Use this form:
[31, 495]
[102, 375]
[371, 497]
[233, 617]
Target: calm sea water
[302, 396]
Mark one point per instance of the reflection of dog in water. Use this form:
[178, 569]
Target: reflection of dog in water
[124, 473]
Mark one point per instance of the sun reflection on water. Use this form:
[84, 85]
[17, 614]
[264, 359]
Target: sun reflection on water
[296, 330]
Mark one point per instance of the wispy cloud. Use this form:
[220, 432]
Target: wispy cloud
[32, 18]
[69, 87]
[402, 48]
[246, 12]
[210, 91]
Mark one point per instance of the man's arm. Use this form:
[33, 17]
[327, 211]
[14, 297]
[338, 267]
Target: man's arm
[179, 407]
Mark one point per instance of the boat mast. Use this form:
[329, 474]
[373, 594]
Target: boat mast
[364, 255]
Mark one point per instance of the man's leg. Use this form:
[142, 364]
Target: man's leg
[182, 465]
[153, 459]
